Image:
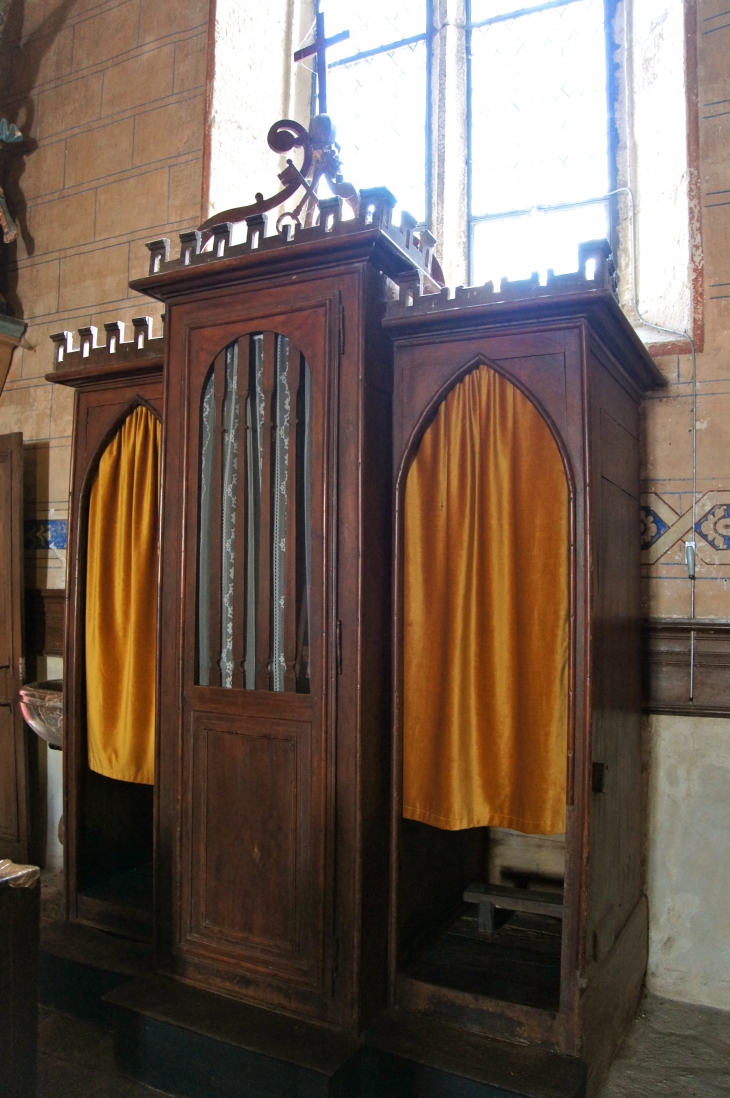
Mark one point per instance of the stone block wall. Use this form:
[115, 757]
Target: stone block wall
[667, 435]
[110, 97]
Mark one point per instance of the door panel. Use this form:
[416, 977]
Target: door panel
[14, 792]
[253, 888]
[8, 776]
[253, 880]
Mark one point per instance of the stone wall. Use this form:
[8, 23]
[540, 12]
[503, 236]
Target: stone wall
[110, 97]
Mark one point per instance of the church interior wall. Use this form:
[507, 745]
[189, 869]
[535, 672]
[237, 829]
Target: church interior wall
[111, 97]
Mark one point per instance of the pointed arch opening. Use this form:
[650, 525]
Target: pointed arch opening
[486, 614]
[122, 544]
[483, 656]
[254, 507]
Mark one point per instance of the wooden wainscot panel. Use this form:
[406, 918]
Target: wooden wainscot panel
[255, 877]
[44, 621]
[666, 667]
[9, 807]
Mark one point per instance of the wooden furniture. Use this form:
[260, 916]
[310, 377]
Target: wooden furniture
[108, 824]
[20, 911]
[15, 754]
[271, 879]
[570, 350]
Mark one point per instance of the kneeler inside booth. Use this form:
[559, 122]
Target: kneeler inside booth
[486, 636]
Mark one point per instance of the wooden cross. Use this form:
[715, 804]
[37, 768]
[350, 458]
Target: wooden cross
[318, 47]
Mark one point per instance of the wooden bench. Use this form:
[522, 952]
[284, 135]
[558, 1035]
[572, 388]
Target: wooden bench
[490, 897]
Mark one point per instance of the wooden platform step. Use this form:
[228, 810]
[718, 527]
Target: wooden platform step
[197, 1044]
[428, 1059]
[78, 965]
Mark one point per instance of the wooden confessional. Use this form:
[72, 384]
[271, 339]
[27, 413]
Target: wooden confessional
[477, 940]
[277, 793]
[108, 824]
[274, 689]
[296, 913]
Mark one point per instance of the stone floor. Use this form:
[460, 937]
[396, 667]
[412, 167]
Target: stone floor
[673, 1050]
[76, 1060]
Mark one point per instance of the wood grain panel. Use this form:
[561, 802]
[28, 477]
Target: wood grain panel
[6, 548]
[619, 455]
[666, 667]
[45, 609]
[15, 762]
[9, 821]
[250, 886]
[254, 879]
[614, 864]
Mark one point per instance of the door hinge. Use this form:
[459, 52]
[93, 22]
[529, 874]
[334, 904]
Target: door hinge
[339, 647]
[21, 669]
[342, 326]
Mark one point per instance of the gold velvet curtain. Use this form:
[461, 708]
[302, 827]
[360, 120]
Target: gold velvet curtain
[121, 602]
[486, 606]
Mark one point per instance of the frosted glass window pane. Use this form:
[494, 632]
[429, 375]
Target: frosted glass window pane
[377, 23]
[487, 9]
[539, 115]
[514, 247]
[379, 107]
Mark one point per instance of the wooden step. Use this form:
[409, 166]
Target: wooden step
[530, 901]
[446, 1057]
[191, 1042]
[79, 964]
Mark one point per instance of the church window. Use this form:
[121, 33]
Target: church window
[538, 167]
[532, 95]
[478, 113]
[379, 80]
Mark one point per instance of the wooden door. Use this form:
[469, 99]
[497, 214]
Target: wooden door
[251, 895]
[105, 820]
[14, 791]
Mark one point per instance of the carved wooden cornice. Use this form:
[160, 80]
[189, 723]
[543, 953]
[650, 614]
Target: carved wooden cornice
[114, 359]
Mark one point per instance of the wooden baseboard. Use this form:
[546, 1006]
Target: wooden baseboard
[667, 646]
[45, 610]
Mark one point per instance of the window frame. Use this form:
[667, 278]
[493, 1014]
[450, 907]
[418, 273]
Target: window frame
[610, 198]
[426, 36]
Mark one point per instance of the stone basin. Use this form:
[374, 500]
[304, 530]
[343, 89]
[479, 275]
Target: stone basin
[42, 707]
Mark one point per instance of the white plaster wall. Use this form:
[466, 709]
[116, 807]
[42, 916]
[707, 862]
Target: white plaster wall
[688, 875]
[255, 84]
[652, 160]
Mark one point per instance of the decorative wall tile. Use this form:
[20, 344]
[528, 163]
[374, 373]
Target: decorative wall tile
[662, 527]
[44, 534]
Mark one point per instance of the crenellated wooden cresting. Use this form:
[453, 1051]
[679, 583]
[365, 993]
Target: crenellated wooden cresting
[375, 212]
[596, 271]
[113, 355]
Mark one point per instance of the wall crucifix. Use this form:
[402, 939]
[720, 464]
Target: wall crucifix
[318, 48]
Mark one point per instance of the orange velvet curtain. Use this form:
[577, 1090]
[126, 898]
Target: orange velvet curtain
[486, 607]
[121, 602]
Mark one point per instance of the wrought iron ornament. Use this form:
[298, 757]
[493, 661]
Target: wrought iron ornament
[320, 159]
